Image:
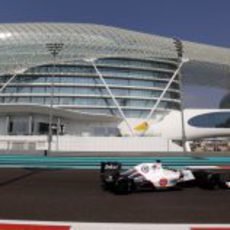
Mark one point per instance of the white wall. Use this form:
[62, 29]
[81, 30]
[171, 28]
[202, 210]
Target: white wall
[88, 144]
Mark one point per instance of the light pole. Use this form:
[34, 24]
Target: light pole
[179, 48]
[54, 49]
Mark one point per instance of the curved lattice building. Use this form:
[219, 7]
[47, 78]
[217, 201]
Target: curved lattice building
[93, 79]
[225, 102]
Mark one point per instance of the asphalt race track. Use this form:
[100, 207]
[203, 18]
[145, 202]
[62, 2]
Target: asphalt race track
[76, 195]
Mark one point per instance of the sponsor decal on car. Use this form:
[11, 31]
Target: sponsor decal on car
[163, 182]
[111, 167]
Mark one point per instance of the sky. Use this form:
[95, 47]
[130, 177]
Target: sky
[204, 21]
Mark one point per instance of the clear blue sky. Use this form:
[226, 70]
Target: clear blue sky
[196, 20]
[205, 21]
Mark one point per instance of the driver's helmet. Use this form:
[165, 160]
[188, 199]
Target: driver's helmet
[157, 165]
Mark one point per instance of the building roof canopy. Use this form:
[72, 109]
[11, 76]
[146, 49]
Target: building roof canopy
[24, 45]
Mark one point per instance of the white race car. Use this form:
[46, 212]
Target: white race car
[148, 176]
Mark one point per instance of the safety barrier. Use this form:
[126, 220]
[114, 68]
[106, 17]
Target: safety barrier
[94, 162]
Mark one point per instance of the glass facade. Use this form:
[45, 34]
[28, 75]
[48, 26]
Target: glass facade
[18, 125]
[211, 120]
[135, 83]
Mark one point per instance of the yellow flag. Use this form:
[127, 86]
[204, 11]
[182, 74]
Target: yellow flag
[142, 127]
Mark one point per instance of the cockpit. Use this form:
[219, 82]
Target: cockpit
[157, 165]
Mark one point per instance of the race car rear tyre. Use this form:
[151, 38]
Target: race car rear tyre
[210, 181]
[123, 186]
[213, 181]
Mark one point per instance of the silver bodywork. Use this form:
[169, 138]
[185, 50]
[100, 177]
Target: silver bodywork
[162, 177]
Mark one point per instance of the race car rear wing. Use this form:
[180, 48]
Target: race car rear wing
[110, 166]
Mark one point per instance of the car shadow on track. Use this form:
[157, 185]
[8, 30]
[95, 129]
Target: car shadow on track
[29, 173]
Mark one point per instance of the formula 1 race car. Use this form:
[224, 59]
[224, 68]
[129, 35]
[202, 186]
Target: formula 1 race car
[150, 176]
